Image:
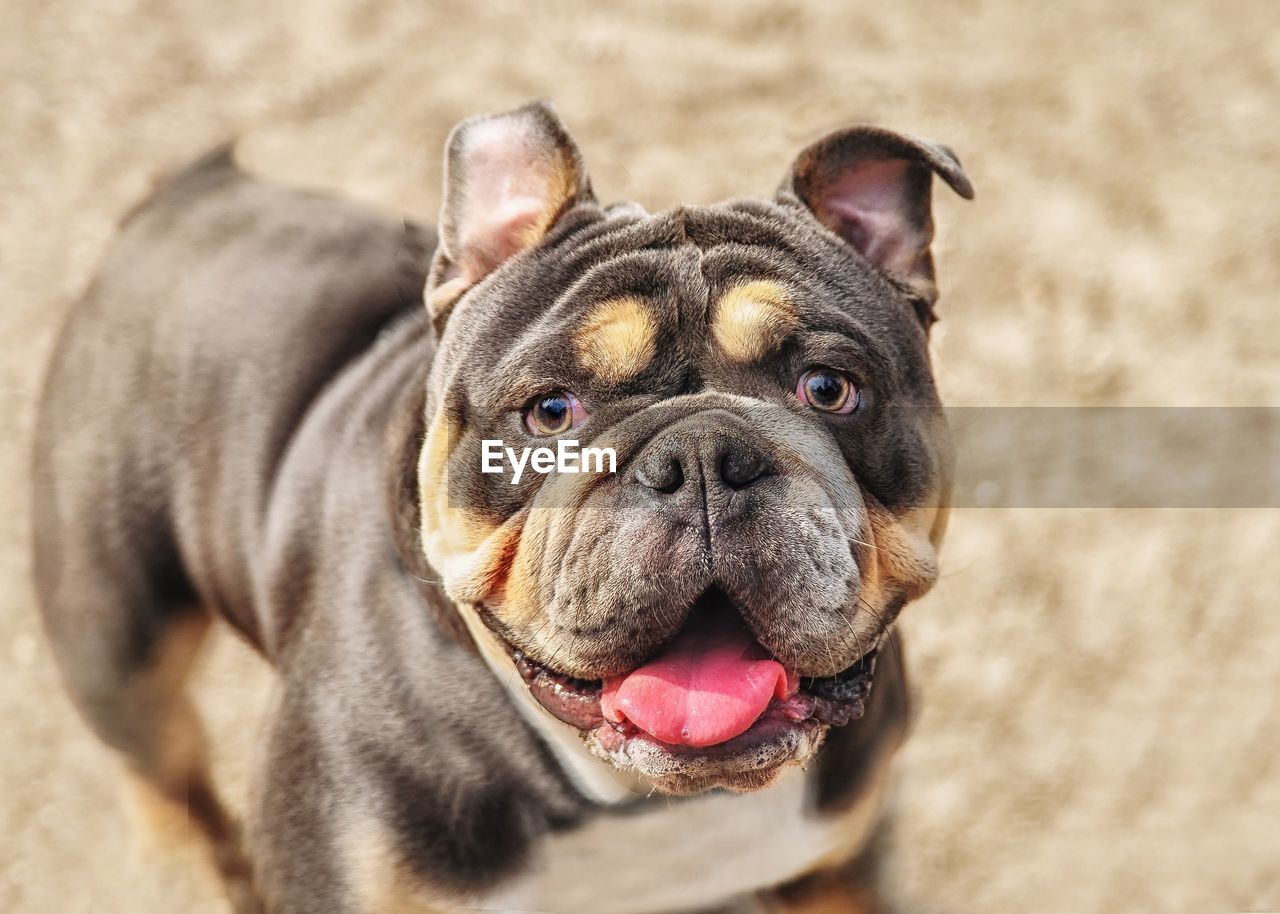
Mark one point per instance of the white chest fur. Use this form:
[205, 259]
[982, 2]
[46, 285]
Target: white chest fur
[681, 855]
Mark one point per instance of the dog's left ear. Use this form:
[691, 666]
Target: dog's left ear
[872, 187]
[508, 178]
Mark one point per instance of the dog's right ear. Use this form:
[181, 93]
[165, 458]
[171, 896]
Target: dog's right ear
[873, 188]
[507, 179]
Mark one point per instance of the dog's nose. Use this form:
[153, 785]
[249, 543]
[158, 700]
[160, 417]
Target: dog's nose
[716, 460]
[740, 465]
[660, 471]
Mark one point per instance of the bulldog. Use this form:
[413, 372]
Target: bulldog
[642, 686]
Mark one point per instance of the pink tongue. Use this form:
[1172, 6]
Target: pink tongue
[709, 685]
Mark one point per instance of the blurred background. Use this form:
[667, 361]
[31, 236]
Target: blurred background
[1099, 724]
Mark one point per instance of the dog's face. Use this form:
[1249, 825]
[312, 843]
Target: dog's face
[760, 371]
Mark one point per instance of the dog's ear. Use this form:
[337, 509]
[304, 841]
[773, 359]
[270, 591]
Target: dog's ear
[507, 179]
[872, 187]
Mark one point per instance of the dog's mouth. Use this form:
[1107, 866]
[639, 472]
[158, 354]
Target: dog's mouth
[712, 702]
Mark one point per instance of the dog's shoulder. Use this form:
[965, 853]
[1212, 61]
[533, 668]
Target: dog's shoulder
[220, 318]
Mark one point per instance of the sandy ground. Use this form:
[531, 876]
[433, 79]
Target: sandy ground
[1099, 727]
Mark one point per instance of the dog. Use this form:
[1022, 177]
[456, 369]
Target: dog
[642, 688]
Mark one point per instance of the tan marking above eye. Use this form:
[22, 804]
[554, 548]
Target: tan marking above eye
[752, 319]
[618, 339]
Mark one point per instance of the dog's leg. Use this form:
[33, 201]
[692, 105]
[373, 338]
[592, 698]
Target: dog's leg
[847, 889]
[125, 643]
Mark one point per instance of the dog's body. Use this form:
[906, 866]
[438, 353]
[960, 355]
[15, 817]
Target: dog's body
[234, 426]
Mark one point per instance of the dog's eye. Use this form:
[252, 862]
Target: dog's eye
[554, 413]
[828, 390]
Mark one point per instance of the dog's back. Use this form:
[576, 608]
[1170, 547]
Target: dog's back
[224, 307]
[222, 289]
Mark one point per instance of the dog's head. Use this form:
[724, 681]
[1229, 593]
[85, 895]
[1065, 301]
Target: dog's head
[705, 603]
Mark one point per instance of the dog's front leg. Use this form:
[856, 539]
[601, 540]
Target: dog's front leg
[848, 889]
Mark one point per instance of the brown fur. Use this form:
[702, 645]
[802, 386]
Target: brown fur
[251, 416]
